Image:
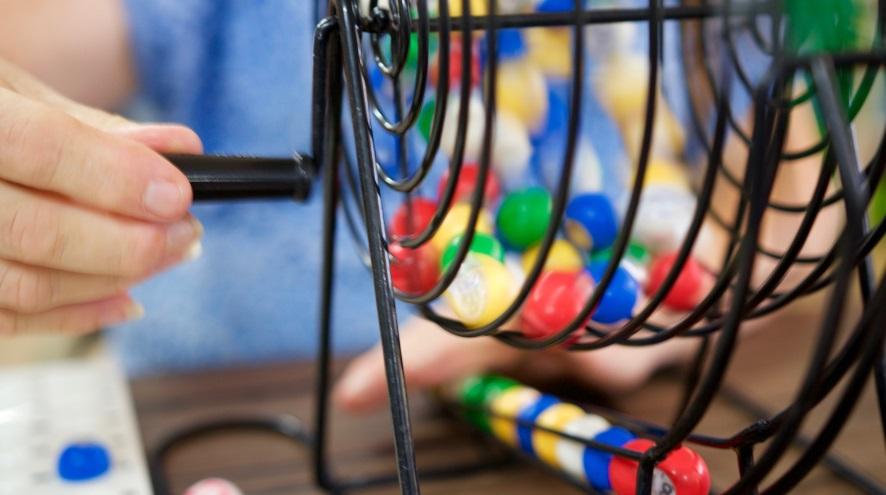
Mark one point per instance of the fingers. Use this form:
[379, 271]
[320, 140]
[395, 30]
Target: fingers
[30, 289]
[46, 149]
[50, 232]
[431, 357]
[76, 318]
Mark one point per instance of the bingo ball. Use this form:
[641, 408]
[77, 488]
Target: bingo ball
[511, 150]
[482, 290]
[467, 183]
[661, 172]
[570, 454]
[456, 222]
[403, 226]
[556, 417]
[474, 127]
[682, 472]
[455, 65]
[483, 244]
[563, 257]
[414, 271]
[505, 408]
[213, 486]
[523, 217]
[687, 290]
[596, 462]
[477, 392]
[620, 297]
[520, 85]
[663, 217]
[591, 222]
[426, 118]
[635, 260]
[556, 299]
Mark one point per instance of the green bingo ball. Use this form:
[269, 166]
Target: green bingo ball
[635, 252]
[475, 394]
[523, 217]
[426, 118]
[480, 244]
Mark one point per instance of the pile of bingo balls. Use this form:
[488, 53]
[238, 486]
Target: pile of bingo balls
[505, 248]
[510, 411]
[514, 218]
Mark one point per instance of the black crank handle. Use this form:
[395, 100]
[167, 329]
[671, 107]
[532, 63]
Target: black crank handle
[220, 177]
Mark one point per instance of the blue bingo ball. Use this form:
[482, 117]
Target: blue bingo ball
[620, 297]
[596, 462]
[528, 417]
[591, 223]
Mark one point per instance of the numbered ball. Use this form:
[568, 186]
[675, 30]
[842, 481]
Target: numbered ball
[682, 472]
[482, 290]
[477, 392]
[414, 271]
[527, 419]
[511, 150]
[483, 244]
[467, 184]
[563, 257]
[506, 408]
[556, 418]
[596, 462]
[213, 486]
[663, 217]
[555, 300]
[591, 223]
[620, 297]
[523, 217]
[473, 133]
[688, 289]
[402, 225]
[456, 222]
[455, 65]
[570, 454]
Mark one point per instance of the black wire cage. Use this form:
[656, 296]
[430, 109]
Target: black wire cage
[376, 61]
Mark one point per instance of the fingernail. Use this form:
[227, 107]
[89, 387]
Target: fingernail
[163, 198]
[134, 311]
[193, 252]
[131, 312]
[180, 237]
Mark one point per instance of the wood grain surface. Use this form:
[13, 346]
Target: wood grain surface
[767, 369]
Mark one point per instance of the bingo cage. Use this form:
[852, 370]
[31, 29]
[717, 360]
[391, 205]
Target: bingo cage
[490, 98]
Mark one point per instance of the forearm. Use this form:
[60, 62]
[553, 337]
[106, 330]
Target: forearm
[79, 47]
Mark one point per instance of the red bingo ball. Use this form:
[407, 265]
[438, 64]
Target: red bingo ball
[414, 271]
[682, 472]
[555, 300]
[687, 290]
[467, 182]
[455, 65]
[422, 211]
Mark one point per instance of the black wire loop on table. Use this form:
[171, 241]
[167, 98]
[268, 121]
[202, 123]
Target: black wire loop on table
[348, 43]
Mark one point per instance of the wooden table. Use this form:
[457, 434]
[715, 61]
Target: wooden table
[767, 369]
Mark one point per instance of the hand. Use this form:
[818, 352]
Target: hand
[433, 357]
[87, 208]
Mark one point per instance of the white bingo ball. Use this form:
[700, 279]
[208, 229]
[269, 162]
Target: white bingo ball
[511, 150]
[473, 132]
[213, 486]
[663, 218]
[570, 454]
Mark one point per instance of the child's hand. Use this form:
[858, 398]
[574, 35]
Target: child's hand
[432, 357]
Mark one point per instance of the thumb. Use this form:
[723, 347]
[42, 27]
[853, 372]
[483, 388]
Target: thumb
[431, 357]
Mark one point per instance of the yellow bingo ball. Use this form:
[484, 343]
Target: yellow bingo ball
[478, 7]
[563, 257]
[556, 417]
[456, 222]
[551, 50]
[482, 290]
[661, 172]
[522, 92]
[506, 407]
